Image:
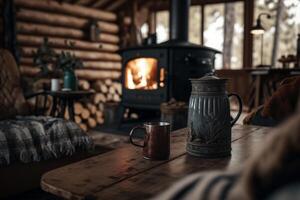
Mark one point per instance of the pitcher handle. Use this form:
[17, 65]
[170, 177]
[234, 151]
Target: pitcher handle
[240, 108]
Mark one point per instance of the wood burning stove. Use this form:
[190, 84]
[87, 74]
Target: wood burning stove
[153, 74]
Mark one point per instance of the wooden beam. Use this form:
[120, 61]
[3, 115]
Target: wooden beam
[65, 8]
[115, 5]
[202, 25]
[84, 55]
[100, 3]
[46, 30]
[155, 5]
[63, 20]
[84, 2]
[152, 22]
[248, 39]
[64, 43]
[9, 22]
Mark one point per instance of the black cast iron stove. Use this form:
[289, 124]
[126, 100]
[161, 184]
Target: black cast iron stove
[153, 74]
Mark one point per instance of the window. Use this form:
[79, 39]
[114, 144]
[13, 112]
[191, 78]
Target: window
[162, 26]
[225, 21]
[216, 17]
[195, 24]
[289, 27]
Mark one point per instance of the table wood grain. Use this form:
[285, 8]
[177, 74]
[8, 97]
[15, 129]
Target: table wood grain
[124, 174]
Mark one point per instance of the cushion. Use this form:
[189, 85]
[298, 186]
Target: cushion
[279, 107]
[283, 102]
[12, 101]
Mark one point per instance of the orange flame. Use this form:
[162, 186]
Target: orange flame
[141, 73]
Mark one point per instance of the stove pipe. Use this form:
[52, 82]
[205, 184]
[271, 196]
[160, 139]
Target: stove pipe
[179, 20]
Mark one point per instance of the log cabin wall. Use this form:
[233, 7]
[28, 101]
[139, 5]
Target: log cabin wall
[1, 24]
[64, 23]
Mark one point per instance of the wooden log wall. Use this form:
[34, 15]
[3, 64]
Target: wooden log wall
[1, 24]
[64, 24]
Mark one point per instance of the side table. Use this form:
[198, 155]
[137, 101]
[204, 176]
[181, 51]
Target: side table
[65, 99]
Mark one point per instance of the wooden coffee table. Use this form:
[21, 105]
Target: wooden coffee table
[124, 174]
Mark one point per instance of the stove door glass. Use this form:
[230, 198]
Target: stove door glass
[142, 74]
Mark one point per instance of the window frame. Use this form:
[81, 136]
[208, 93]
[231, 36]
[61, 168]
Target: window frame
[248, 23]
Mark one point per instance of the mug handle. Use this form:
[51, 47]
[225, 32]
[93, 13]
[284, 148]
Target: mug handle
[240, 108]
[131, 134]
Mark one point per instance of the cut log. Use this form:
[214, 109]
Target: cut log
[100, 3]
[97, 74]
[118, 87]
[99, 114]
[81, 74]
[92, 108]
[100, 120]
[84, 84]
[109, 97]
[46, 30]
[97, 85]
[26, 61]
[67, 115]
[108, 82]
[77, 119]
[116, 98]
[112, 90]
[101, 106]
[85, 55]
[99, 97]
[108, 38]
[92, 122]
[65, 43]
[29, 71]
[103, 88]
[63, 20]
[102, 65]
[84, 2]
[100, 86]
[83, 126]
[67, 9]
[78, 108]
[85, 114]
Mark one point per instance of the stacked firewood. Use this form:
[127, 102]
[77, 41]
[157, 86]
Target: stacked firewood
[68, 28]
[89, 113]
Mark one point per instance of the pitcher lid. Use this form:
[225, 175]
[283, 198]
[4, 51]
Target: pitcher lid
[208, 78]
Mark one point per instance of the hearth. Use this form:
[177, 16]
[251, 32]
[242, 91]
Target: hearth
[153, 74]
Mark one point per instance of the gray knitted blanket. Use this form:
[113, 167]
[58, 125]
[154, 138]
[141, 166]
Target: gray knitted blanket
[32, 139]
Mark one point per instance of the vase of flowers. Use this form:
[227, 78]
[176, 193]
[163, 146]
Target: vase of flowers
[68, 63]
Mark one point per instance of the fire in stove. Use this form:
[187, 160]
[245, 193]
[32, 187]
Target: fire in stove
[141, 73]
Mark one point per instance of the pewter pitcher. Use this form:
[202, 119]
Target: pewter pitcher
[209, 119]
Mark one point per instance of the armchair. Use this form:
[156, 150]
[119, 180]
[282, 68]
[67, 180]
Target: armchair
[44, 143]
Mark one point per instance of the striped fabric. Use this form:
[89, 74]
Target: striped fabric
[204, 186]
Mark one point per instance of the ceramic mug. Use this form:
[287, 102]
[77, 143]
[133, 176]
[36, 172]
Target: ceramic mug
[156, 144]
[55, 85]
